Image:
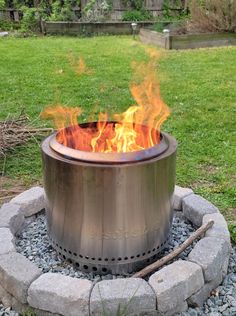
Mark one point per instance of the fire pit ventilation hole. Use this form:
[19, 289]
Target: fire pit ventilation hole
[88, 267]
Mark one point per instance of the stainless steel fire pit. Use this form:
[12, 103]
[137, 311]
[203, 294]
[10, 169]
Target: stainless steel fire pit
[109, 213]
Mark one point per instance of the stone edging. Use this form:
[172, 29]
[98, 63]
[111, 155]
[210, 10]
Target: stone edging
[168, 291]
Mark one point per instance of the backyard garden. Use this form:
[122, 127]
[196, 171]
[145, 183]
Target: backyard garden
[197, 85]
[73, 252]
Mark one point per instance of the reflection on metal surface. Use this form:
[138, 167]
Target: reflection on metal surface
[109, 217]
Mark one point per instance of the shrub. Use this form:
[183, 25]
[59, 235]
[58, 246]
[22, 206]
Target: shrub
[30, 19]
[62, 12]
[9, 25]
[2, 4]
[134, 4]
[213, 15]
[136, 15]
[97, 12]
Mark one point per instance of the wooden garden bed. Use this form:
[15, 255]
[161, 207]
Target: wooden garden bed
[186, 41]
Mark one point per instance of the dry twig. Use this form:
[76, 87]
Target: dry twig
[159, 263]
[17, 131]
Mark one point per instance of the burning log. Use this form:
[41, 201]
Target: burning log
[159, 263]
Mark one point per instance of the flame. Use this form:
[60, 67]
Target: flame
[79, 65]
[136, 129]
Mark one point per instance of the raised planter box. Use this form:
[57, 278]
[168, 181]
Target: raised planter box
[169, 41]
[92, 28]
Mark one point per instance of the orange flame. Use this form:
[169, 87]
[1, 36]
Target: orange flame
[136, 129]
[78, 65]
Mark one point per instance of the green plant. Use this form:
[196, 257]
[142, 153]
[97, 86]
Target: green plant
[30, 20]
[136, 15]
[29, 312]
[94, 12]
[9, 25]
[158, 26]
[173, 11]
[213, 15]
[63, 10]
[134, 4]
[232, 229]
[2, 4]
[136, 12]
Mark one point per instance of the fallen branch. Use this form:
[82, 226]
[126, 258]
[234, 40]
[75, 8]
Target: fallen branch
[7, 197]
[3, 191]
[159, 263]
[17, 131]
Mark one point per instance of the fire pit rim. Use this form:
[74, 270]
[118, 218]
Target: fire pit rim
[110, 158]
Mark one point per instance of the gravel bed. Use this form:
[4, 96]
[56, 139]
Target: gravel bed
[33, 243]
[223, 299]
[223, 302]
[7, 311]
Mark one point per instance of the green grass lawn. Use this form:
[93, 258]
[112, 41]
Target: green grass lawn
[198, 85]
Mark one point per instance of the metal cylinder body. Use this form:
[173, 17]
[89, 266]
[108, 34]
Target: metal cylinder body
[109, 218]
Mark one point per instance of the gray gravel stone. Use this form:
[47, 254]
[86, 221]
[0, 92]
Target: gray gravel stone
[131, 295]
[195, 207]
[33, 243]
[60, 294]
[210, 254]
[11, 217]
[31, 201]
[220, 227]
[179, 194]
[16, 274]
[6, 241]
[6, 311]
[174, 283]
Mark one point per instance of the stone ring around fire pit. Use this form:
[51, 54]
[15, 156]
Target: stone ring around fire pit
[168, 291]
